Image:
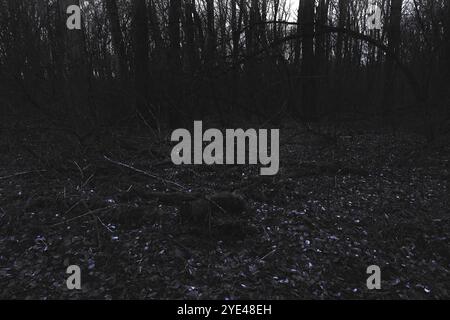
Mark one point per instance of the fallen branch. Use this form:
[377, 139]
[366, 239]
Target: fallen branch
[82, 215]
[268, 254]
[179, 186]
[170, 198]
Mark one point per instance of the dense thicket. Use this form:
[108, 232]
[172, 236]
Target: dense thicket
[176, 60]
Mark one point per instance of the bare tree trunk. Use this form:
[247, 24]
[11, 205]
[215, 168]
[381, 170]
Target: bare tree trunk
[174, 35]
[117, 38]
[339, 56]
[254, 31]
[189, 33]
[141, 55]
[321, 44]
[174, 60]
[308, 66]
[72, 62]
[234, 53]
[276, 5]
[297, 45]
[200, 34]
[59, 53]
[394, 37]
[263, 29]
[222, 27]
[446, 39]
[234, 33]
[155, 29]
[342, 20]
[210, 33]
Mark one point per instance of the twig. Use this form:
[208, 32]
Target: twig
[103, 224]
[79, 169]
[21, 174]
[147, 124]
[216, 204]
[87, 181]
[268, 255]
[82, 215]
[72, 207]
[179, 186]
[169, 197]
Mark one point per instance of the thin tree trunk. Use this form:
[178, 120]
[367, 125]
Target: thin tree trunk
[174, 60]
[174, 35]
[394, 48]
[308, 66]
[321, 46]
[141, 55]
[210, 33]
[155, 29]
[234, 53]
[117, 38]
[189, 32]
[342, 21]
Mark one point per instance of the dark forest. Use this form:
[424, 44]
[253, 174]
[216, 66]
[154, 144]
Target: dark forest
[360, 93]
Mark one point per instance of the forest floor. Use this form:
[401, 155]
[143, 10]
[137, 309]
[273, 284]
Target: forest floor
[335, 208]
